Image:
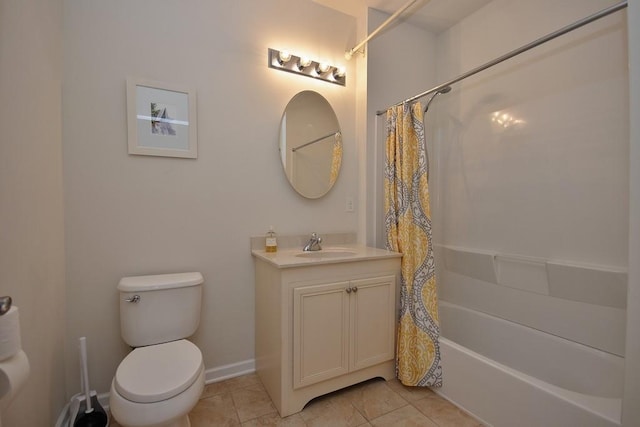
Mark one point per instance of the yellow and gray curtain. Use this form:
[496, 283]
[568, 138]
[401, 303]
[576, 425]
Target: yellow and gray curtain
[408, 227]
[336, 157]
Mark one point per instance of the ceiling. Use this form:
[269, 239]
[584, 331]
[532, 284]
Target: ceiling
[433, 15]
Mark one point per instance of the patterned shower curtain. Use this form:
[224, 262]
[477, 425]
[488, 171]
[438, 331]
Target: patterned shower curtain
[336, 157]
[408, 227]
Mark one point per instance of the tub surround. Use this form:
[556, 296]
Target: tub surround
[533, 218]
[583, 303]
[583, 389]
[589, 283]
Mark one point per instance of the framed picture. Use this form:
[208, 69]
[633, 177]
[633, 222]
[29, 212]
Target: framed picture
[161, 119]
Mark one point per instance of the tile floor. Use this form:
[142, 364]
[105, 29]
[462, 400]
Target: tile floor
[243, 401]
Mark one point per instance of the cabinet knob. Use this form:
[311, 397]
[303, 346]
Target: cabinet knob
[348, 290]
[354, 289]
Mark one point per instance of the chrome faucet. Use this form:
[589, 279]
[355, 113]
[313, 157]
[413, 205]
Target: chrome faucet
[313, 244]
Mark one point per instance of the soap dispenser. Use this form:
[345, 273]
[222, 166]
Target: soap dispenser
[271, 245]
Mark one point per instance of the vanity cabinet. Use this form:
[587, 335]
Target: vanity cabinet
[342, 327]
[322, 326]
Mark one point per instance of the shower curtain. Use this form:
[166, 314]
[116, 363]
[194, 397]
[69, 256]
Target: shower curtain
[336, 157]
[408, 230]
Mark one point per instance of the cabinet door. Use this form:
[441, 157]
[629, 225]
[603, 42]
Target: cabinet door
[320, 333]
[373, 319]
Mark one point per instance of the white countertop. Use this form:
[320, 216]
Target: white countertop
[289, 258]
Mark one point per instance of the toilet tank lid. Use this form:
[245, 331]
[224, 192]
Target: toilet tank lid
[159, 281]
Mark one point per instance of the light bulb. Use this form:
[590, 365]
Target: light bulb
[303, 62]
[339, 72]
[322, 68]
[283, 57]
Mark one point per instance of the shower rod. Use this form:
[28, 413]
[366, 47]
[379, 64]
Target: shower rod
[348, 54]
[334, 134]
[440, 88]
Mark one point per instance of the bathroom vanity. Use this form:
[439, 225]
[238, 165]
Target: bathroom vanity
[324, 320]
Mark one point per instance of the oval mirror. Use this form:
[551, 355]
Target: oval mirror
[310, 144]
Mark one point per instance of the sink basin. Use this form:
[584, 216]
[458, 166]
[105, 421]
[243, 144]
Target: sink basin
[327, 254]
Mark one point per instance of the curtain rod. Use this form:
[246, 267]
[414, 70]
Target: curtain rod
[348, 54]
[314, 141]
[535, 43]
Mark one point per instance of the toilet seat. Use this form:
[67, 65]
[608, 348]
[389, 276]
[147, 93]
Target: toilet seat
[158, 372]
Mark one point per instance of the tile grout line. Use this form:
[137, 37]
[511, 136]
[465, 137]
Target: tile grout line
[232, 390]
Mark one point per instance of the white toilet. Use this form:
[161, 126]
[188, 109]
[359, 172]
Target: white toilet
[161, 380]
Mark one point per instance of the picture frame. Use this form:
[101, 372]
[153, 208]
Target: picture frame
[161, 119]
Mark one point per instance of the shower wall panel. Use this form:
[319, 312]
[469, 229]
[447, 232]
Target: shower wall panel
[530, 162]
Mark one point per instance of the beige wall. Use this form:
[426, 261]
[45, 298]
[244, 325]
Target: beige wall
[31, 211]
[630, 406]
[130, 215]
[400, 64]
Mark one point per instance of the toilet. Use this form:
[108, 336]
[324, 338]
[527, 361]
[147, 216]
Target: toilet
[162, 378]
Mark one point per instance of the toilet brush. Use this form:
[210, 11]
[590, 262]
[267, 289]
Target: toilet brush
[94, 414]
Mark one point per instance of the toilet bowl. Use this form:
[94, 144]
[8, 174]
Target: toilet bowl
[158, 385]
[162, 378]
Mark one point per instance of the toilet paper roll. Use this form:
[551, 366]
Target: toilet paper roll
[10, 343]
[13, 375]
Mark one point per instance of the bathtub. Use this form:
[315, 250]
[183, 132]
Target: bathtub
[506, 374]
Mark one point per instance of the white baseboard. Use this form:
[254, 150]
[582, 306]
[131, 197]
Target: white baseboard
[212, 375]
[232, 370]
[63, 418]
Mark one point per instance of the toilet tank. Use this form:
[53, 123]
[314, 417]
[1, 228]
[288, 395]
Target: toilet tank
[160, 308]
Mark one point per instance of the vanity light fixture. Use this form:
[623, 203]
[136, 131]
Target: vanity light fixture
[285, 61]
